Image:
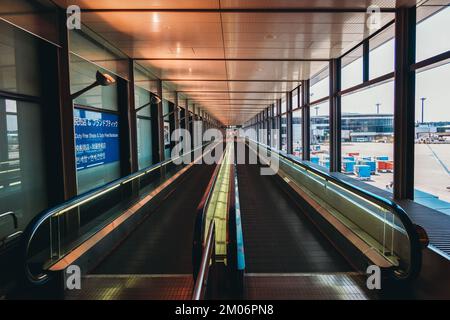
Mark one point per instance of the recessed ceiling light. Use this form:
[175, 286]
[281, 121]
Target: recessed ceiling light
[155, 17]
[259, 69]
[270, 36]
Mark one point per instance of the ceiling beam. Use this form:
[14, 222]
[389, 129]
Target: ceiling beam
[233, 59]
[234, 104]
[226, 91]
[234, 99]
[225, 80]
[233, 10]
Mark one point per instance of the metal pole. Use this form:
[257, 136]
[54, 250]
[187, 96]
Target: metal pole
[423, 109]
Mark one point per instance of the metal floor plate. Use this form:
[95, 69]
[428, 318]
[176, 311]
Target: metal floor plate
[133, 287]
[308, 286]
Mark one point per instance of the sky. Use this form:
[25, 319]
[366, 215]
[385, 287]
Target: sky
[434, 84]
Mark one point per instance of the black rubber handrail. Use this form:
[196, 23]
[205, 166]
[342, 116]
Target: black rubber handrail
[13, 216]
[38, 221]
[410, 228]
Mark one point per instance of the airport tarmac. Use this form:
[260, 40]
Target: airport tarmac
[432, 163]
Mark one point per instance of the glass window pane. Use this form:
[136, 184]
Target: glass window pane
[87, 44]
[23, 185]
[297, 127]
[368, 135]
[274, 133]
[284, 133]
[144, 79]
[381, 54]
[144, 142]
[37, 17]
[19, 61]
[352, 69]
[320, 134]
[432, 149]
[320, 86]
[283, 104]
[295, 99]
[432, 32]
[82, 74]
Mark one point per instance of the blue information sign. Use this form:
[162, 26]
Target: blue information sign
[96, 138]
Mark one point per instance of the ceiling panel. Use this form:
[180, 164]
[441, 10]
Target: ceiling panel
[200, 85]
[191, 69]
[141, 4]
[330, 4]
[262, 86]
[281, 70]
[164, 41]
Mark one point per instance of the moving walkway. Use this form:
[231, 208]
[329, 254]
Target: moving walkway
[304, 234]
[134, 240]
[224, 231]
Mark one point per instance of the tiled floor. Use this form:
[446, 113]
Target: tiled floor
[339, 286]
[133, 287]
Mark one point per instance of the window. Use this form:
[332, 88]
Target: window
[432, 32]
[168, 127]
[381, 54]
[432, 133]
[295, 101]
[274, 133]
[82, 74]
[432, 130]
[352, 69]
[283, 104]
[97, 146]
[23, 143]
[297, 128]
[19, 62]
[283, 133]
[23, 187]
[368, 135]
[144, 127]
[320, 134]
[320, 86]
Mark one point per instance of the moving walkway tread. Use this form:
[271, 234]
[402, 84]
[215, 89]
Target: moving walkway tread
[162, 244]
[277, 237]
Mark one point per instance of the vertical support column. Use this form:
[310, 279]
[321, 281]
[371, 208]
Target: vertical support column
[404, 103]
[366, 61]
[335, 115]
[124, 127]
[160, 122]
[128, 133]
[132, 117]
[186, 115]
[278, 125]
[290, 144]
[176, 112]
[65, 111]
[306, 120]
